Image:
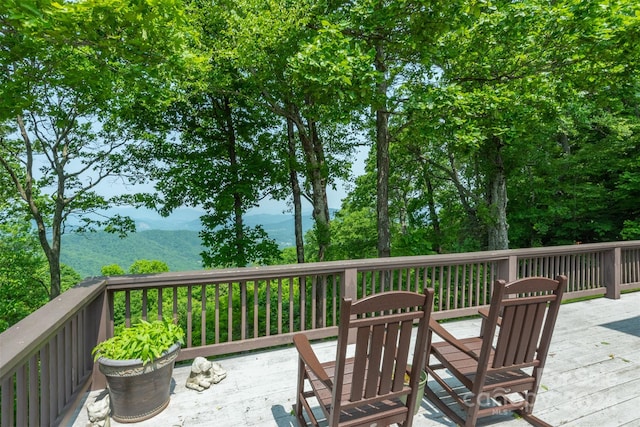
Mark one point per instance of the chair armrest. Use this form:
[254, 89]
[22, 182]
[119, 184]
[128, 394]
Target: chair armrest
[484, 312]
[442, 333]
[310, 359]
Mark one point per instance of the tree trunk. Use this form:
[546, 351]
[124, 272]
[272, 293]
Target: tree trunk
[316, 174]
[297, 193]
[433, 213]
[238, 222]
[50, 249]
[382, 157]
[498, 236]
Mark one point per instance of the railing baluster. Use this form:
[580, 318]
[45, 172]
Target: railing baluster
[203, 315]
[256, 328]
[144, 304]
[334, 299]
[291, 328]
[230, 313]
[280, 307]
[75, 351]
[302, 283]
[34, 401]
[66, 355]
[267, 309]
[314, 294]
[175, 304]
[243, 310]
[8, 398]
[127, 308]
[159, 304]
[45, 378]
[217, 313]
[189, 317]
[21, 396]
[60, 371]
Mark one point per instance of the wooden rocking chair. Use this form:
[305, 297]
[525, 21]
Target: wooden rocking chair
[366, 389]
[492, 370]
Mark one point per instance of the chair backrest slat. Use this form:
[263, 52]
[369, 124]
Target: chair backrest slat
[523, 318]
[383, 342]
[376, 346]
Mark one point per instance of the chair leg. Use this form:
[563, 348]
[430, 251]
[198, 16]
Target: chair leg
[472, 409]
[433, 398]
[533, 420]
[527, 412]
[300, 393]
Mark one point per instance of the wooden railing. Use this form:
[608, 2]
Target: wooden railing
[46, 363]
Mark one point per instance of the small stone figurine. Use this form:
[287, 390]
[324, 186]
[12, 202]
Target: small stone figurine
[98, 412]
[204, 373]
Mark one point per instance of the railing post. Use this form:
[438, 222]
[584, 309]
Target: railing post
[612, 263]
[349, 289]
[98, 380]
[350, 284]
[507, 269]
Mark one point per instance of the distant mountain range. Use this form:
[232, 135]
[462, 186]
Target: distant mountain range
[173, 239]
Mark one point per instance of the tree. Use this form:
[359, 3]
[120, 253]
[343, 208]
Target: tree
[145, 266]
[112, 270]
[23, 273]
[309, 72]
[69, 73]
[221, 156]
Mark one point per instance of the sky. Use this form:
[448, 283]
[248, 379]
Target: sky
[115, 186]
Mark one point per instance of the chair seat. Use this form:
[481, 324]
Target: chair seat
[464, 367]
[394, 409]
[504, 364]
[370, 387]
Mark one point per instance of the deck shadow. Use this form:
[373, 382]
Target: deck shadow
[628, 326]
[282, 417]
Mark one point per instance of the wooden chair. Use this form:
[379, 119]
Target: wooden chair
[494, 370]
[366, 389]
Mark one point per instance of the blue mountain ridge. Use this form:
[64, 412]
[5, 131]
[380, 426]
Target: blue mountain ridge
[174, 239]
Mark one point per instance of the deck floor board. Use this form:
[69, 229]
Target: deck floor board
[592, 378]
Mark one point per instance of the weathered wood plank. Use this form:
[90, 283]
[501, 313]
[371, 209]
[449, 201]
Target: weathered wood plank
[592, 377]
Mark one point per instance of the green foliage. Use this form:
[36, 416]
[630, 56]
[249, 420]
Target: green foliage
[63, 99]
[542, 96]
[145, 266]
[112, 270]
[144, 340]
[353, 235]
[69, 277]
[228, 248]
[23, 273]
[88, 253]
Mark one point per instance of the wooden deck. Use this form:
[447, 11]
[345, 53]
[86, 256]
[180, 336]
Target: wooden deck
[592, 378]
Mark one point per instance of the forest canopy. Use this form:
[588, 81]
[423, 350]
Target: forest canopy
[489, 124]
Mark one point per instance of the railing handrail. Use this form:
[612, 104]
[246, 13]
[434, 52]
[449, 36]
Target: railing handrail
[198, 277]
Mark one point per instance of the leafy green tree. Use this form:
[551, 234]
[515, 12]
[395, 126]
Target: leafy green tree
[24, 276]
[112, 270]
[309, 72]
[23, 273]
[145, 266]
[505, 103]
[223, 142]
[70, 71]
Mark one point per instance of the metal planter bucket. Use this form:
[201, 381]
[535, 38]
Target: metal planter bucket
[421, 385]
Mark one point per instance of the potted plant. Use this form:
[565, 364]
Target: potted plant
[420, 391]
[138, 363]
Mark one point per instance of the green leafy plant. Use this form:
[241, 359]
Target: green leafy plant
[144, 340]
